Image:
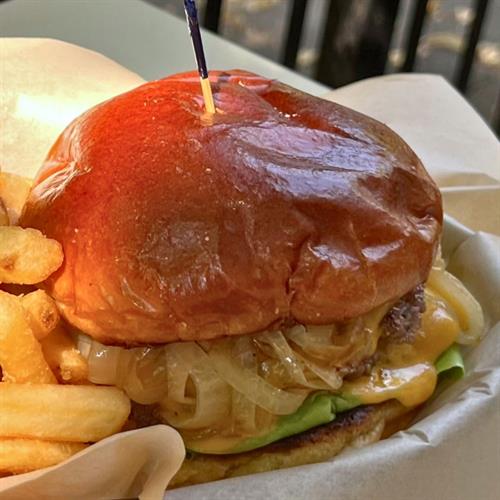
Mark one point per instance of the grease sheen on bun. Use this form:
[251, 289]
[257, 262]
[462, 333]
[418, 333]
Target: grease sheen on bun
[281, 207]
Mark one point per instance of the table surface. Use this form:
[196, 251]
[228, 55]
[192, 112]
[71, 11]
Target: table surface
[140, 36]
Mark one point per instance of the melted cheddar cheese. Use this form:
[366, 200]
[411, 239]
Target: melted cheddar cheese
[406, 371]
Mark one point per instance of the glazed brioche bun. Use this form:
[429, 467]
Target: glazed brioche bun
[181, 226]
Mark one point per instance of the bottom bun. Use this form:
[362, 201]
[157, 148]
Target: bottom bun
[356, 428]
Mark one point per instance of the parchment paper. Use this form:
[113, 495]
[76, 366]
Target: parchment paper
[125, 465]
[453, 449]
[44, 84]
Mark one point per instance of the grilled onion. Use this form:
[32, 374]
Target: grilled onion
[465, 306]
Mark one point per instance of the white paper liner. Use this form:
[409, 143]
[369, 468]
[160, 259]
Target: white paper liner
[453, 451]
[126, 465]
[44, 85]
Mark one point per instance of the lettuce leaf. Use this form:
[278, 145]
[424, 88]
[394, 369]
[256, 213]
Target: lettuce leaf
[319, 408]
[450, 363]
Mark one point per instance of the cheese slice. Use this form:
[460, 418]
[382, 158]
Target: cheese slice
[410, 385]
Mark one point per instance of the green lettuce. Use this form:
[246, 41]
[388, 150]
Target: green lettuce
[450, 363]
[319, 408]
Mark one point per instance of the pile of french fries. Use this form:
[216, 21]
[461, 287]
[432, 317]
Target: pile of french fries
[48, 410]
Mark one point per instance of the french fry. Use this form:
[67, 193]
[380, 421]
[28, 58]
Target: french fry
[24, 455]
[63, 357]
[27, 256]
[74, 413]
[14, 191]
[41, 313]
[4, 216]
[21, 356]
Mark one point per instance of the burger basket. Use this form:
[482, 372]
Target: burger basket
[452, 450]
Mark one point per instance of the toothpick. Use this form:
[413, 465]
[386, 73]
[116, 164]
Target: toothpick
[194, 30]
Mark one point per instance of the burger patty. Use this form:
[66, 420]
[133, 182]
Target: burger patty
[399, 325]
[402, 322]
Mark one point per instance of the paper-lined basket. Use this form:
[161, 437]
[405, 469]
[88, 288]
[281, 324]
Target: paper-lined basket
[453, 449]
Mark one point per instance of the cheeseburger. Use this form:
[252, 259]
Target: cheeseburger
[266, 279]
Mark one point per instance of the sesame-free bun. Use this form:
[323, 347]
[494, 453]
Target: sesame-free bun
[178, 225]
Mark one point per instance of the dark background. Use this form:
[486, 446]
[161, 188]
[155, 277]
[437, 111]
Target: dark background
[342, 41]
